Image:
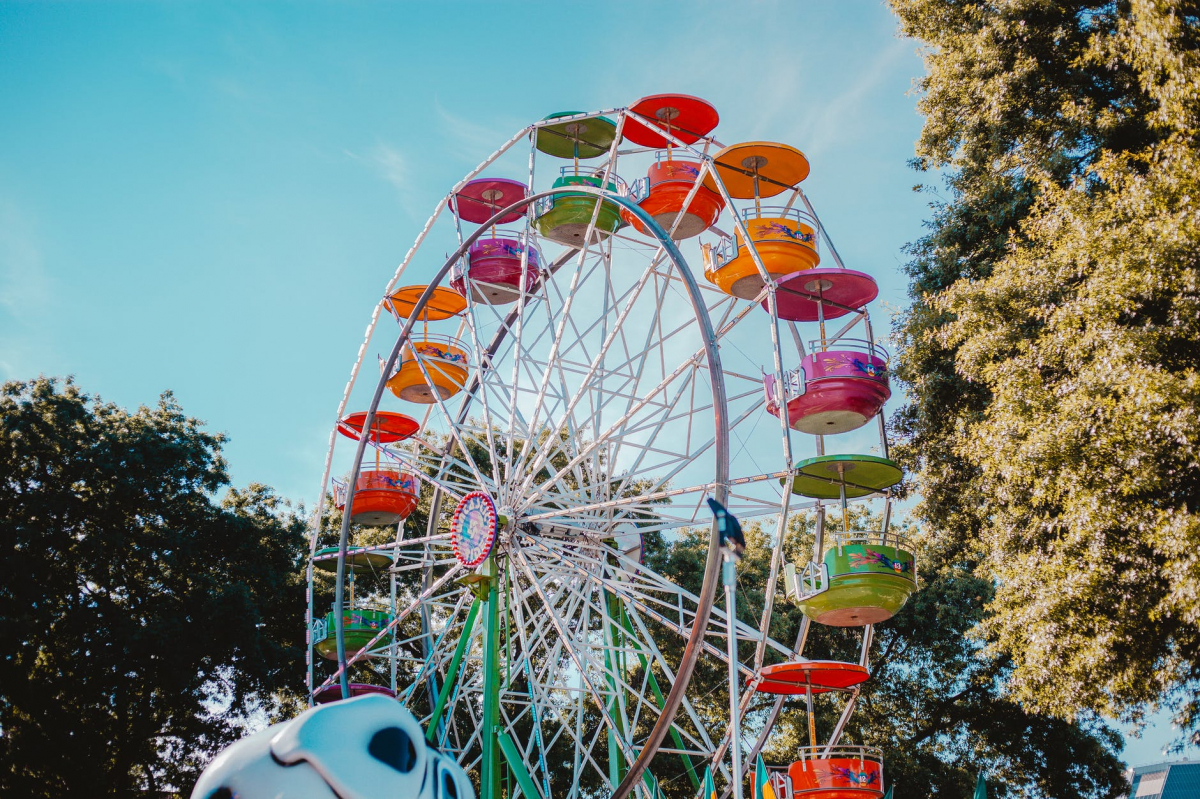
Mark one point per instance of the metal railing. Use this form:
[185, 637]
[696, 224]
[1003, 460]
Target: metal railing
[804, 584]
[616, 182]
[793, 385]
[676, 155]
[778, 212]
[320, 630]
[780, 781]
[588, 176]
[639, 189]
[842, 751]
[841, 539]
[852, 344]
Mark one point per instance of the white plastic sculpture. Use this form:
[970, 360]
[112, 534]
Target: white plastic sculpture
[368, 747]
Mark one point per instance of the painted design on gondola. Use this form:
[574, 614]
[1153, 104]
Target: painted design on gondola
[675, 169]
[870, 369]
[493, 248]
[831, 362]
[437, 352]
[859, 779]
[780, 229]
[869, 557]
[402, 483]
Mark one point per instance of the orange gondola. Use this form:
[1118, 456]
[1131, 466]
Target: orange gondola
[784, 239]
[432, 367]
[383, 495]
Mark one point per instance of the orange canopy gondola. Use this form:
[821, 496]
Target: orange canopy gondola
[443, 303]
[758, 169]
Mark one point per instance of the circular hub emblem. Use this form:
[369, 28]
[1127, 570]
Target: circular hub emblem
[473, 528]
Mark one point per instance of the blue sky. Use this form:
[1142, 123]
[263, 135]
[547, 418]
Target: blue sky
[210, 197]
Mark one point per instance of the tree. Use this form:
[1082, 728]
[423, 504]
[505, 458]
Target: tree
[1051, 352]
[144, 621]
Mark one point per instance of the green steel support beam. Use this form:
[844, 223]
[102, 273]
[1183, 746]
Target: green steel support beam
[616, 760]
[675, 736]
[614, 617]
[517, 766]
[489, 782]
[452, 672]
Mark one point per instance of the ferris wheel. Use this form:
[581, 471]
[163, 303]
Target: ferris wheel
[564, 393]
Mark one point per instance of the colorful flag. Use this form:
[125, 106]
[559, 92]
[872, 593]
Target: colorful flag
[762, 781]
[710, 787]
[981, 788]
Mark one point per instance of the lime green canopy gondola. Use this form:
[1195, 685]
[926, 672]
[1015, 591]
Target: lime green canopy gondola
[357, 559]
[577, 138]
[862, 475]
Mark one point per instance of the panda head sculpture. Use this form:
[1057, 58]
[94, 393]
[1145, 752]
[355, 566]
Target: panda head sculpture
[361, 748]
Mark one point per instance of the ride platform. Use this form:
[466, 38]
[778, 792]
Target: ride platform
[565, 217]
[665, 189]
[383, 496]
[445, 361]
[493, 269]
[838, 772]
[360, 626]
[864, 578]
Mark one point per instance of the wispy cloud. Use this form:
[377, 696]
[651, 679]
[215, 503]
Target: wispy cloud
[231, 87]
[473, 141]
[390, 165]
[850, 107]
[26, 291]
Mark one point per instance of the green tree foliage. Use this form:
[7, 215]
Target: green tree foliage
[144, 621]
[1052, 347]
[934, 703]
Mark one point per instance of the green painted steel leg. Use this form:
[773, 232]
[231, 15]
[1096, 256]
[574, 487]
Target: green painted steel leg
[516, 765]
[613, 619]
[452, 673]
[489, 782]
[616, 760]
[658, 694]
